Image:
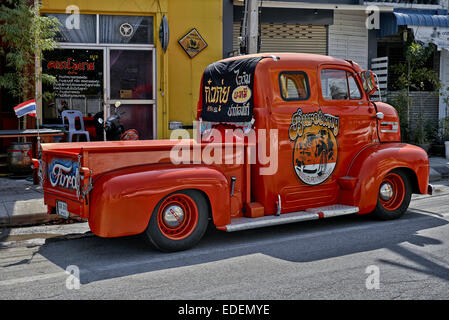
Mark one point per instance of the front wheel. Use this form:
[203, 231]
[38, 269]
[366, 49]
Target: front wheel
[178, 222]
[394, 196]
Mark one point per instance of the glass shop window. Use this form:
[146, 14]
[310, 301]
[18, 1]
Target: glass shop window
[115, 29]
[126, 29]
[76, 31]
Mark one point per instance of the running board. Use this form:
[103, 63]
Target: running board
[244, 223]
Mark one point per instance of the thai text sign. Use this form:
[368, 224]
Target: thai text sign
[78, 72]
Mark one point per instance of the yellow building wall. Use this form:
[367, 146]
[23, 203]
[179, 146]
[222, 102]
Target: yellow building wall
[184, 72]
[178, 75]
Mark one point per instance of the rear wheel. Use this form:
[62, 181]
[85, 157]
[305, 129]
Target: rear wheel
[394, 196]
[178, 222]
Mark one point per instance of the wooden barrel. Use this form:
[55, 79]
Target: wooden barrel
[19, 158]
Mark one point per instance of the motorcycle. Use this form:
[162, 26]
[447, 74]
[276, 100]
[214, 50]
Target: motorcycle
[112, 127]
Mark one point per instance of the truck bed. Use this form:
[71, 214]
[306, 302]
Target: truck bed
[104, 156]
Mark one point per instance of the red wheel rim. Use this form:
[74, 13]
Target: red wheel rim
[177, 216]
[392, 191]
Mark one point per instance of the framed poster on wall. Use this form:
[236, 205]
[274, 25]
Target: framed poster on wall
[79, 80]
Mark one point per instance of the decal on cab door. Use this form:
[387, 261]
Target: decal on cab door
[315, 145]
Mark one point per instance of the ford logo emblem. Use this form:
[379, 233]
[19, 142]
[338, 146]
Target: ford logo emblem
[63, 173]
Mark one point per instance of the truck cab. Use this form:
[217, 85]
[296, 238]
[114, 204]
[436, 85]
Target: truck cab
[282, 137]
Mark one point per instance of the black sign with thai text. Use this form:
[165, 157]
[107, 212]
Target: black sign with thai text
[227, 90]
[78, 72]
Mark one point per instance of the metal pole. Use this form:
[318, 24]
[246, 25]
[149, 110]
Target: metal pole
[37, 82]
[253, 25]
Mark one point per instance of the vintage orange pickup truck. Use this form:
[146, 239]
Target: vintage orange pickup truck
[279, 138]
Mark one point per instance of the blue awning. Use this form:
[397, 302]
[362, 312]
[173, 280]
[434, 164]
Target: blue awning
[418, 19]
[402, 17]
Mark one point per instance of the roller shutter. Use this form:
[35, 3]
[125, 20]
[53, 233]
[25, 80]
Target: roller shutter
[284, 37]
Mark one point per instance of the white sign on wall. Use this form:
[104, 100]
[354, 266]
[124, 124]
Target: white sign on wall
[436, 35]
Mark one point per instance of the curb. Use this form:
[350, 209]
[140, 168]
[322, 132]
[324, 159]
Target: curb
[26, 220]
[28, 212]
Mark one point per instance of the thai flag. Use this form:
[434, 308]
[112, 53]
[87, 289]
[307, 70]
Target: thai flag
[27, 107]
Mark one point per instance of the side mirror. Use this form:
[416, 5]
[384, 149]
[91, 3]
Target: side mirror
[368, 81]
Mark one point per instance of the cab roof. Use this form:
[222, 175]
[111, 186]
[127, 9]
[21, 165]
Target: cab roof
[308, 59]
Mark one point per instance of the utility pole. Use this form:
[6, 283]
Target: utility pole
[252, 26]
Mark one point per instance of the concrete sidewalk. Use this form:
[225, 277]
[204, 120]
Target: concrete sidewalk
[22, 202]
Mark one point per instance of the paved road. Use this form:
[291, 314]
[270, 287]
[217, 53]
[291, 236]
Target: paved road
[338, 258]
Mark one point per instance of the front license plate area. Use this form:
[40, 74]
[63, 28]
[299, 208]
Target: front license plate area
[61, 209]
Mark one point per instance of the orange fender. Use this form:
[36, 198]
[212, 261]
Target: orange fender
[373, 163]
[122, 201]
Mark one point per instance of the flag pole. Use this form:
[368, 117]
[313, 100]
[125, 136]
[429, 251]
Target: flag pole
[37, 82]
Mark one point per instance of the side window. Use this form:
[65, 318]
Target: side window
[354, 90]
[333, 84]
[294, 85]
[339, 85]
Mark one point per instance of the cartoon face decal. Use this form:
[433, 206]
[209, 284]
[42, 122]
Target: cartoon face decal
[315, 149]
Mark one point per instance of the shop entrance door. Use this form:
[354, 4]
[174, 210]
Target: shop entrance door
[130, 78]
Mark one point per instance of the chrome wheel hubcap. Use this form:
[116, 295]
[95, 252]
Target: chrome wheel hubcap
[386, 191]
[173, 216]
